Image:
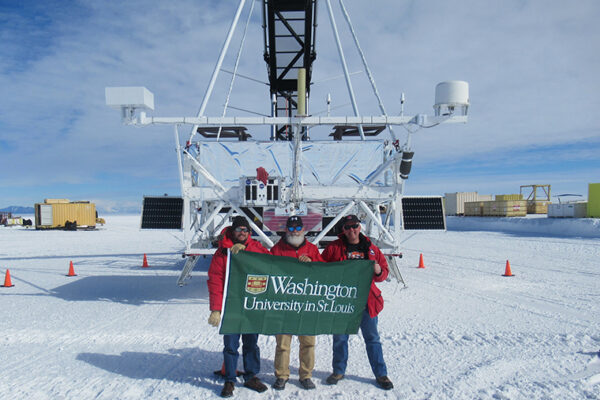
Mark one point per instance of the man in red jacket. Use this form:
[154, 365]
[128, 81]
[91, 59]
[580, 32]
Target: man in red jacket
[353, 245]
[236, 237]
[294, 244]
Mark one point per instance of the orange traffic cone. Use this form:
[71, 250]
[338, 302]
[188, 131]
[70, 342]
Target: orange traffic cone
[71, 270]
[7, 282]
[145, 263]
[221, 372]
[421, 265]
[507, 271]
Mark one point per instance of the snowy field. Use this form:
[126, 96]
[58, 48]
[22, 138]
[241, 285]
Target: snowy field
[459, 331]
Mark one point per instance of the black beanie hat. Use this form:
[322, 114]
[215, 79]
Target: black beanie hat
[240, 221]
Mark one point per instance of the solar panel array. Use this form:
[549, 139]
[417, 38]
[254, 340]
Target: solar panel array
[423, 213]
[162, 213]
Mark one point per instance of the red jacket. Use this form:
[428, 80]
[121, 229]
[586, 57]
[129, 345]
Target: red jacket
[216, 271]
[336, 251]
[283, 248]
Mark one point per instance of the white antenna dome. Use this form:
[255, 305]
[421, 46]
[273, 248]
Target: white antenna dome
[451, 97]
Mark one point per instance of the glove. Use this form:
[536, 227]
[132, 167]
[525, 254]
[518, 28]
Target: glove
[215, 318]
[304, 258]
[237, 247]
[376, 267]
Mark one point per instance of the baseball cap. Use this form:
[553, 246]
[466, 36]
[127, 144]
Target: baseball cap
[294, 220]
[350, 219]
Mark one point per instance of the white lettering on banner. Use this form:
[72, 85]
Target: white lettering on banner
[252, 303]
[285, 285]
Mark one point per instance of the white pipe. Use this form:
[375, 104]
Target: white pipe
[385, 165]
[296, 166]
[178, 149]
[237, 62]
[344, 66]
[304, 121]
[218, 66]
[186, 209]
[376, 220]
[224, 222]
[200, 168]
[364, 61]
[212, 216]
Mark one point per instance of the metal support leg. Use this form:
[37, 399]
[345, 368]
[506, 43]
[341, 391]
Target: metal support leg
[190, 263]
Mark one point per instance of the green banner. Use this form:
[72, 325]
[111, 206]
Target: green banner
[273, 295]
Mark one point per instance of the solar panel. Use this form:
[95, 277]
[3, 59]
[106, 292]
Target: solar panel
[162, 213]
[423, 213]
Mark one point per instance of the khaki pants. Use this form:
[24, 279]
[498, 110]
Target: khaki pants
[282, 356]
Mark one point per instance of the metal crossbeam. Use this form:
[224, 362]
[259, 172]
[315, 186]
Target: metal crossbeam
[289, 45]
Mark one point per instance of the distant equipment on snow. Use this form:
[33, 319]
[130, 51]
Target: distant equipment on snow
[65, 214]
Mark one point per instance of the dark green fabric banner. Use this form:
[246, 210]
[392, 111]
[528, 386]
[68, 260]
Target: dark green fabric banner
[273, 295]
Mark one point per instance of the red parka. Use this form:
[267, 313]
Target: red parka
[217, 269]
[336, 251]
[283, 248]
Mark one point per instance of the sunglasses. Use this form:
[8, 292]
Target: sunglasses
[294, 228]
[241, 229]
[348, 227]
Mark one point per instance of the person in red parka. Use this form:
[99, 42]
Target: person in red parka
[236, 238]
[295, 245]
[353, 245]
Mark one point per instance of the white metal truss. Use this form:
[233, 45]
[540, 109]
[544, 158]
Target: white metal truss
[211, 196]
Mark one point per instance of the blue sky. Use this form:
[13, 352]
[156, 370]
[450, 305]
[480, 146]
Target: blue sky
[532, 67]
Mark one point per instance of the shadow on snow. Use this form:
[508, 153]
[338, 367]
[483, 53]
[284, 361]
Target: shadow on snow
[193, 366]
[134, 290]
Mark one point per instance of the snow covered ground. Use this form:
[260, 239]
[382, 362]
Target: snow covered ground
[459, 331]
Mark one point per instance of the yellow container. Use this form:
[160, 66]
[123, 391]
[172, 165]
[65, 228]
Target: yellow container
[55, 215]
[53, 201]
[473, 208]
[508, 208]
[537, 207]
[506, 197]
[593, 207]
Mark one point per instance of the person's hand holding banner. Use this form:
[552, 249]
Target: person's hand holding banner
[215, 317]
[304, 258]
[377, 269]
[236, 248]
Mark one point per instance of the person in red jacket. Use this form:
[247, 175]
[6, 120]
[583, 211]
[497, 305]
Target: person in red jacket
[353, 245]
[236, 237]
[295, 245]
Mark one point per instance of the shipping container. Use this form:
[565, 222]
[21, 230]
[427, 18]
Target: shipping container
[537, 207]
[567, 210]
[593, 207]
[455, 202]
[508, 208]
[473, 208]
[56, 201]
[507, 197]
[55, 215]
